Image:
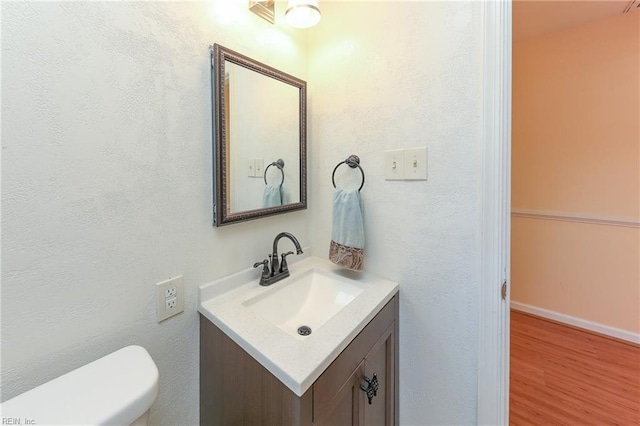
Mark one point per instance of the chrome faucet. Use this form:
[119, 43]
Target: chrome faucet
[272, 270]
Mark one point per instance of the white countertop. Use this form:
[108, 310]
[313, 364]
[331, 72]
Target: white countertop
[296, 361]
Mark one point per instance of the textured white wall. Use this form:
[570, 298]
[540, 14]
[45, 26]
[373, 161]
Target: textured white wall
[397, 75]
[106, 182]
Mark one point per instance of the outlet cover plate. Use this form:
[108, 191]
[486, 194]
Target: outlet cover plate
[164, 293]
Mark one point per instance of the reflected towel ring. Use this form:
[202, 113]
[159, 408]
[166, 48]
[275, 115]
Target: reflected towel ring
[353, 161]
[280, 165]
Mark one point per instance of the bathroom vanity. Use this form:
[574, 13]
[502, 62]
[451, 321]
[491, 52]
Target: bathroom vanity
[256, 369]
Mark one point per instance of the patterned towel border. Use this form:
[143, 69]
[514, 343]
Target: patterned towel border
[347, 257]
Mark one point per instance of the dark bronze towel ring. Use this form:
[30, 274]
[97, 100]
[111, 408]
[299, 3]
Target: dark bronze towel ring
[280, 165]
[353, 161]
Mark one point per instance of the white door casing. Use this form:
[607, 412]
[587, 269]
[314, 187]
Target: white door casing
[495, 197]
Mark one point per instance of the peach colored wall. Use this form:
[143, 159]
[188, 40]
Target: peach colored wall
[576, 149]
[586, 271]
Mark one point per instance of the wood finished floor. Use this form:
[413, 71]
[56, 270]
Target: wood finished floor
[564, 376]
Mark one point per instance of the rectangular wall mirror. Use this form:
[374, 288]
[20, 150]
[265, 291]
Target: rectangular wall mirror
[259, 139]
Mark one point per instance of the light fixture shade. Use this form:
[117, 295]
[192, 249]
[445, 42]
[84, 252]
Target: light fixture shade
[302, 13]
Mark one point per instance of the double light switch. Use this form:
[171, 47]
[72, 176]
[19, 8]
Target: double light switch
[406, 164]
[255, 167]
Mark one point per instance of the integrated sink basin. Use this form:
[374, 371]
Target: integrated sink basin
[333, 303]
[307, 300]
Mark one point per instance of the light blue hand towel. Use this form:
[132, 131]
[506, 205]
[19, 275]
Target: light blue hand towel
[272, 196]
[347, 236]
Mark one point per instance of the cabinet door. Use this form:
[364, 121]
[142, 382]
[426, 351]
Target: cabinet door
[346, 407]
[337, 397]
[380, 361]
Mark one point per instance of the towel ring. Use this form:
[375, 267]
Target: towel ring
[280, 165]
[353, 161]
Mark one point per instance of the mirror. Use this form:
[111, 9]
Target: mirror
[259, 139]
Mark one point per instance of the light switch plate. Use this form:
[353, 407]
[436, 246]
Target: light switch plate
[169, 298]
[394, 165]
[259, 167]
[415, 163]
[251, 167]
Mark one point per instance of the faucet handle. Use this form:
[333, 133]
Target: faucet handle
[264, 262]
[283, 263]
[265, 269]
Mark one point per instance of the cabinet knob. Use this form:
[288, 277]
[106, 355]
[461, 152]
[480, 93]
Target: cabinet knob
[371, 389]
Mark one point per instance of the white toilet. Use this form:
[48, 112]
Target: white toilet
[117, 389]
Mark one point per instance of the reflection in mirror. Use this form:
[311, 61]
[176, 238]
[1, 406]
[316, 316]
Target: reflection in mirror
[275, 192]
[261, 132]
[259, 139]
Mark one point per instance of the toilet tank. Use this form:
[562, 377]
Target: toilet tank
[115, 389]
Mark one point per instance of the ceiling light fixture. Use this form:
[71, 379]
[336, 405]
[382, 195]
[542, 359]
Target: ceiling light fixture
[302, 13]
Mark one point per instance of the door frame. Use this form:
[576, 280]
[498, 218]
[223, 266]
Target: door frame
[495, 210]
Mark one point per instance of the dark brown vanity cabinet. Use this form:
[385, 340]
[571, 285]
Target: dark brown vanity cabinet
[237, 390]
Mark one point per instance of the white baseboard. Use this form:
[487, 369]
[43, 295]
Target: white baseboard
[578, 322]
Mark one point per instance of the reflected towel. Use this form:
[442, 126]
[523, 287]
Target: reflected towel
[347, 235]
[272, 196]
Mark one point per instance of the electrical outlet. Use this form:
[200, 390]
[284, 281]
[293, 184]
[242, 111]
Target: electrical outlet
[169, 298]
[170, 303]
[170, 292]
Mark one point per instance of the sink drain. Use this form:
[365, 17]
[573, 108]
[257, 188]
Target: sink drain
[304, 330]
